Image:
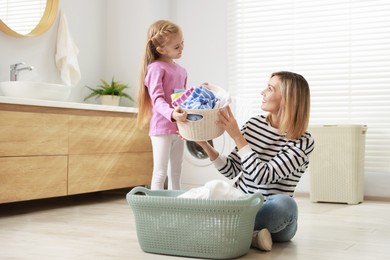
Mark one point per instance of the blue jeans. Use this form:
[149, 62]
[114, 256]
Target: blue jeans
[279, 214]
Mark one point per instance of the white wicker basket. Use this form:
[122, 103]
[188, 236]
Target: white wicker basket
[205, 128]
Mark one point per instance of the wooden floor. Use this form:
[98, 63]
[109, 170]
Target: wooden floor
[101, 226]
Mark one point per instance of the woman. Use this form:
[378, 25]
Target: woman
[271, 154]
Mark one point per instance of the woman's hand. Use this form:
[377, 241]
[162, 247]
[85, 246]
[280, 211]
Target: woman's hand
[229, 124]
[179, 115]
[206, 146]
[203, 144]
[209, 149]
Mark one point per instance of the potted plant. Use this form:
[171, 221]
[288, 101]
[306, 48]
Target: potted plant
[109, 93]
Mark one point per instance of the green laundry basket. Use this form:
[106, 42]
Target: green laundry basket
[202, 228]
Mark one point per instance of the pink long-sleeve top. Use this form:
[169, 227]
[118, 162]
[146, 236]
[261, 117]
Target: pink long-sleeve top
[162, 79]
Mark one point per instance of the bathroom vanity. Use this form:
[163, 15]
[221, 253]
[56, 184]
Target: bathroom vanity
[50, 149]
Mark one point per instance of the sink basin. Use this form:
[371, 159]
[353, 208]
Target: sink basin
[35, 90]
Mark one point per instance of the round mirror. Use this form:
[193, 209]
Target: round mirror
[23, 18]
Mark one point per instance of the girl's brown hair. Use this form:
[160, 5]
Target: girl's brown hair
[294, 109]
[159, 34]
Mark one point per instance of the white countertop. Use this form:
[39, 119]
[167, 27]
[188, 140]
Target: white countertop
[61, 104]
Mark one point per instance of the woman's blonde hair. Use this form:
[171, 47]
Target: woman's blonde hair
[294, 109]
[159, 34]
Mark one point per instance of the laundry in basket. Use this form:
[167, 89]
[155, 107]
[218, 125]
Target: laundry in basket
[202, 105]
[214, 189]
[202, 228]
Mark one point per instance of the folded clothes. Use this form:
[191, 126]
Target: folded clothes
[182, 97]
[175, 96]
[200, 98]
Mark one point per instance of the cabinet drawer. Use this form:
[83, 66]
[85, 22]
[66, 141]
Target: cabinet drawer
[89, 173]
[24, 133]
[104, 134]
[27, 178]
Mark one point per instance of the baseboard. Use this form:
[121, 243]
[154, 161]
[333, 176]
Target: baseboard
[370, 198]
[377, 198]
[301, 194]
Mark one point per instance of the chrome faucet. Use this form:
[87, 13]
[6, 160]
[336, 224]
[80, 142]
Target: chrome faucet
[14, 70]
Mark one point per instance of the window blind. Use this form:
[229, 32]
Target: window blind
[22, 16]
[341, 47]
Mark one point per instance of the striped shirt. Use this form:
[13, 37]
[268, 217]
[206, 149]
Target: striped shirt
[270, 164]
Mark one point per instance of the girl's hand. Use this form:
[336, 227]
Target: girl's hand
[206, 84]
[179, 115]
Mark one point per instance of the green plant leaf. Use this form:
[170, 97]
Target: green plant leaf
[114, 88]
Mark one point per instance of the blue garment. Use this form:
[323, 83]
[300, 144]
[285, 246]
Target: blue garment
[279, 214]
[200, 98]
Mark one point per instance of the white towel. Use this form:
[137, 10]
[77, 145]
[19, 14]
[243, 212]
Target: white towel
[66, 56]
[216, 190]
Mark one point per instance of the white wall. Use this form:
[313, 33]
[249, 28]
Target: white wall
[127, 25]
[111, 35]
[204, 37]
[204, 27]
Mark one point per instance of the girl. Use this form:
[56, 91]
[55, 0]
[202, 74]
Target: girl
[160, 77]
[271, 154]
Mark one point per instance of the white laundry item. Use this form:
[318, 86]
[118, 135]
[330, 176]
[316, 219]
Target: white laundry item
[223, 97]
[66, 56]
[196, 193]
[223, 101]
[216, 189]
